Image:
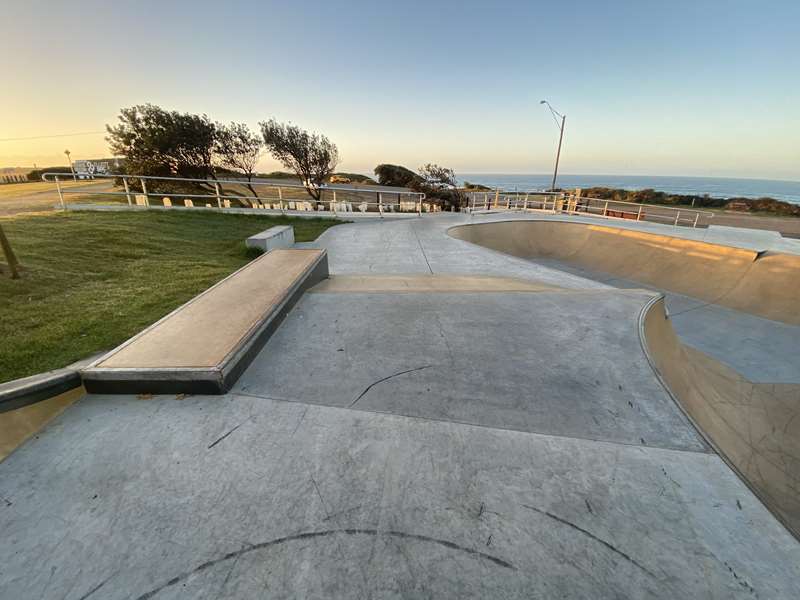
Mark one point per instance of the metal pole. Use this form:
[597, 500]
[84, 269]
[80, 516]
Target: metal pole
[333, 204]
[380, 204]
[639, 214]
[60, 195]
[280, 199]
[696, 217]
[144, 191]
[677, 216]
[127, 190]
[605, 209]
[558, 153]
[219, 200]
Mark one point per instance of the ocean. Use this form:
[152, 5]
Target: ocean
[716, 187]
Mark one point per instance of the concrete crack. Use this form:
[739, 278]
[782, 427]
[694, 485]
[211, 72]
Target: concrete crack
[372, 385]
[594, 537]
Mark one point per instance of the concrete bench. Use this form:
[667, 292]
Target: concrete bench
[205, 345]
[280, 236]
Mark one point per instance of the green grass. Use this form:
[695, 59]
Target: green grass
[93, 279]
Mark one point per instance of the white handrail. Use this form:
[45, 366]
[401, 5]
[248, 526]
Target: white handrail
[575, 204]
[415, 199]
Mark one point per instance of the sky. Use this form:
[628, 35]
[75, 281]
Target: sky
[706, 88]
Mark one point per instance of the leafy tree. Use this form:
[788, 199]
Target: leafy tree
[237, 148]
[440, 183]
[395, 175]
[158, 142]
[313, 157]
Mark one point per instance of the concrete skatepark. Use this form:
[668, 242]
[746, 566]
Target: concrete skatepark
[459, 410]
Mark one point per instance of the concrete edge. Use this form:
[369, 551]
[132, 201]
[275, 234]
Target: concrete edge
[188, 380]
[35, 388]
[756, 254]
[658, 303]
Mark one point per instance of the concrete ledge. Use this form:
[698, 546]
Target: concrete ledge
[205, 345]
[29, 390]
[280, 236]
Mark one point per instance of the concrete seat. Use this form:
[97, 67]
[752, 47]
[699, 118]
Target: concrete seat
[203, 346]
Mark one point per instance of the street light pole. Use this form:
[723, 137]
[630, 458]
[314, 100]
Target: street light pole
[560, 126]
[71, 168]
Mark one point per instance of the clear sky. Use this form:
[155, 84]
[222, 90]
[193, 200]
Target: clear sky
[649, 87]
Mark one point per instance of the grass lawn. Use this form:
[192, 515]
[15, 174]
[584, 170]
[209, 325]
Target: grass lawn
[93, 279]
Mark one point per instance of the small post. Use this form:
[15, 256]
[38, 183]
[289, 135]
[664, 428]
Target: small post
[419, 205]
[677, 217]
[380, 204]
[219, 200]
[696, 217]
[127, 190]
[526, 202]
[605, 209]
[280, 198]
[496, 196]
[639, 214]
[144, 191]
[333, 204]
[60, 194]
[10, 258]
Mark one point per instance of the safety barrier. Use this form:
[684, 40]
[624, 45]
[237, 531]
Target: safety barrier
[142, 190]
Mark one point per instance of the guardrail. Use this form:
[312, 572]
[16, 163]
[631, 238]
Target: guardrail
[275, 197]
[560, 202]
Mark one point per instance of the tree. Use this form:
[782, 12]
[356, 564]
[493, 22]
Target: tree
[439, 182]
[165, 143]
[237, 148]
[313, 157]
[395, 175]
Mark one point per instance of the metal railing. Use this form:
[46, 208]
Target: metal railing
[560, 202]
[142, 191]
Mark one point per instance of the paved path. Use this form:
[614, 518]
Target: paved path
[435, 443]
[36, 197]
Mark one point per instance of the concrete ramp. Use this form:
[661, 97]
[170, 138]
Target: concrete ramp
[753, 426]
[763, 284]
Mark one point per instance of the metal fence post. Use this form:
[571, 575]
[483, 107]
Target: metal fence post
[380, 204]
[677, 217]
[144, 191]
[333, 204]
[639, 214]
[605, 209]
[60, 195]
[219, 200]
[127, 190]
[696, 217]
[280, 198]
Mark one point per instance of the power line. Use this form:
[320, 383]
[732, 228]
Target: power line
[58, 135]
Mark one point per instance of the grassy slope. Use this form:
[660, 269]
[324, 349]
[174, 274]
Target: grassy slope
[94, 279]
